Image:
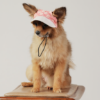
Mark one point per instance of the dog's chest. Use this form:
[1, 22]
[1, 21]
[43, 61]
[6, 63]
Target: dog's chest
[48, 58]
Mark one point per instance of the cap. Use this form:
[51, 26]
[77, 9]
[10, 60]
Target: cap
[45, 17]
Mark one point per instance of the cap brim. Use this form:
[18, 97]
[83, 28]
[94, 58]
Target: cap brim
[44, 20]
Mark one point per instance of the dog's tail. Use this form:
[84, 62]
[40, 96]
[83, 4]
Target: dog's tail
[71, 64]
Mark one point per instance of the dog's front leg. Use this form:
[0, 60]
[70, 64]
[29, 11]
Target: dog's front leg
[59, 70]
[36, 77]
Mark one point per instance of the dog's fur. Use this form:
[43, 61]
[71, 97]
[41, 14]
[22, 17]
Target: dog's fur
[52, 68]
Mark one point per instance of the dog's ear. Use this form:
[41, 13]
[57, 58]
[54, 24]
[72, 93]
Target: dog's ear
[30, 9]
[60, 14]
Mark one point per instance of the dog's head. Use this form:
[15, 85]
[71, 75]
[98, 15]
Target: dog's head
[40, 27]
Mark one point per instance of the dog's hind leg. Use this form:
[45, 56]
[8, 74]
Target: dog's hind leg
[67, 80]
[29, 75]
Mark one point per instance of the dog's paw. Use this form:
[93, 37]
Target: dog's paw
[49, 88]
[35, 90]
[57, 90]
[24, 84]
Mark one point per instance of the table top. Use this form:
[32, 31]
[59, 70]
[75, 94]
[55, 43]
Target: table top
[76, 96]
[21, 91]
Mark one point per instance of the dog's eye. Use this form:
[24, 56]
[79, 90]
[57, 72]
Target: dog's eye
[35, 24]
[44, 26]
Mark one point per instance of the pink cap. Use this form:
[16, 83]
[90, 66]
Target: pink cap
[45, 17]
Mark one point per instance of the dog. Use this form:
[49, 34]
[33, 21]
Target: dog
[51, 70]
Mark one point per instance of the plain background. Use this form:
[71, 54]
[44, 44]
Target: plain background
[82, 26]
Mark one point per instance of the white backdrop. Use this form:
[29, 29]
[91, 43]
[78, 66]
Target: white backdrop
[82, 25]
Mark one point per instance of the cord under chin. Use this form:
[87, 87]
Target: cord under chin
[45, 37]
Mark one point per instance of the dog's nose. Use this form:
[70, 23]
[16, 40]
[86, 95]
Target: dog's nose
[37, 32]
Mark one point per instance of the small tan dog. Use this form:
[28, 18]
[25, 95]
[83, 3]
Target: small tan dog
[52, 68]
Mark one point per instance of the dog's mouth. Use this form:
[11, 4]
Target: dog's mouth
[46, 35]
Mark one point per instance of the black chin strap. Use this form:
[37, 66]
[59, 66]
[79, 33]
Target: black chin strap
[45, 37]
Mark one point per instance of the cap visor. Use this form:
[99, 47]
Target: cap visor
[44, 20]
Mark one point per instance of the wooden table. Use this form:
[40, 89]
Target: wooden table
[35, 98]
[10, 96]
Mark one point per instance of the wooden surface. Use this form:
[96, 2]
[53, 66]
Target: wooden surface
[34, 98]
